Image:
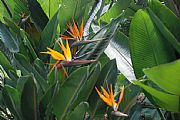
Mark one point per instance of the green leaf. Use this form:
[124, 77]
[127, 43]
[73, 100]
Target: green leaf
[68, 91]
[8, 39]
[165, 32]
[27, 69]
[147, 46]
[12, 100]
[21, 82]
[71, 9]
[164, 100]
[116, 10]
[87, 89]
[83, 42]
[107, 75]
[4, 62]
[94, 50]
[118, 48]
[27, 44]
[79, 112]
[37, 14]
[166, 76]
[40, 68]
[20, 8]
[167, 17]
[50, 7]
[45, 105]
[49, 33]
[23, 39]
[29, 100]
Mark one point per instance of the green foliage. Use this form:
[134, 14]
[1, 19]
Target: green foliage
[166, 76]
[131, 43]
[116, 10]
[164, 100]
[144, 39]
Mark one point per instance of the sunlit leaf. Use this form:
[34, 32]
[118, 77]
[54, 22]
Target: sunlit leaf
[147, 47]
[166, 76]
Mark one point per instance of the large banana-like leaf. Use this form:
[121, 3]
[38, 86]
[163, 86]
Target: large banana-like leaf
[29, 100]
[25, 45]
[12, 101]
[119, 49]
[116, 10]
[165, 32]
[94, 50]
[49, 33]
[166, 76]
[26, 68]
[147, 47]
[89, 86]
[50, 7]
[79, 112]
[4, 62]
[167, 17]
[68, 92]
[167, 101]
[69, 9]
[37, 14]
[8, 39]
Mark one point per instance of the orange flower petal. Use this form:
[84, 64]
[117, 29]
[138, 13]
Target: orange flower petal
[54, 54]
[105, 92]
[81, 29]
[76, 29]
[112, 95]
[106, 100]
[121, 96]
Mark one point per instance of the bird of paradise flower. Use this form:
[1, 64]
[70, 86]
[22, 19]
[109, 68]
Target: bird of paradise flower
[108, 98]
[74, 33]
[65, 59]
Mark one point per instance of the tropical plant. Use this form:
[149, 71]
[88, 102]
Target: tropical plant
[55, 55]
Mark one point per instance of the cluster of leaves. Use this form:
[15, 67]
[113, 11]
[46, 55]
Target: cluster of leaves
[142, 36]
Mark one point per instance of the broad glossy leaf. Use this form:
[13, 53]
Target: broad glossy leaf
[5, 62]
[165, 32]
[50, 7]
[37, 14]
[167, 17]
[45, 105]
[20, 8]
[23, 39]
[147, 46]
[21, 82]
[29, 100]
[166, 76]
[12, 100]
[83, 42]
[28, 44]
[171, 6]
[79, 112]
[49, 33]
[94, 50]
[167, 101]
[118, 48]
[40, 67]
[115, 10]
[89, 86]
[8, 39]
[68, 92]
[71, 9]
[27, 68]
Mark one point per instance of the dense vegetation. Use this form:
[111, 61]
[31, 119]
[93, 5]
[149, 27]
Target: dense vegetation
[56, 54]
